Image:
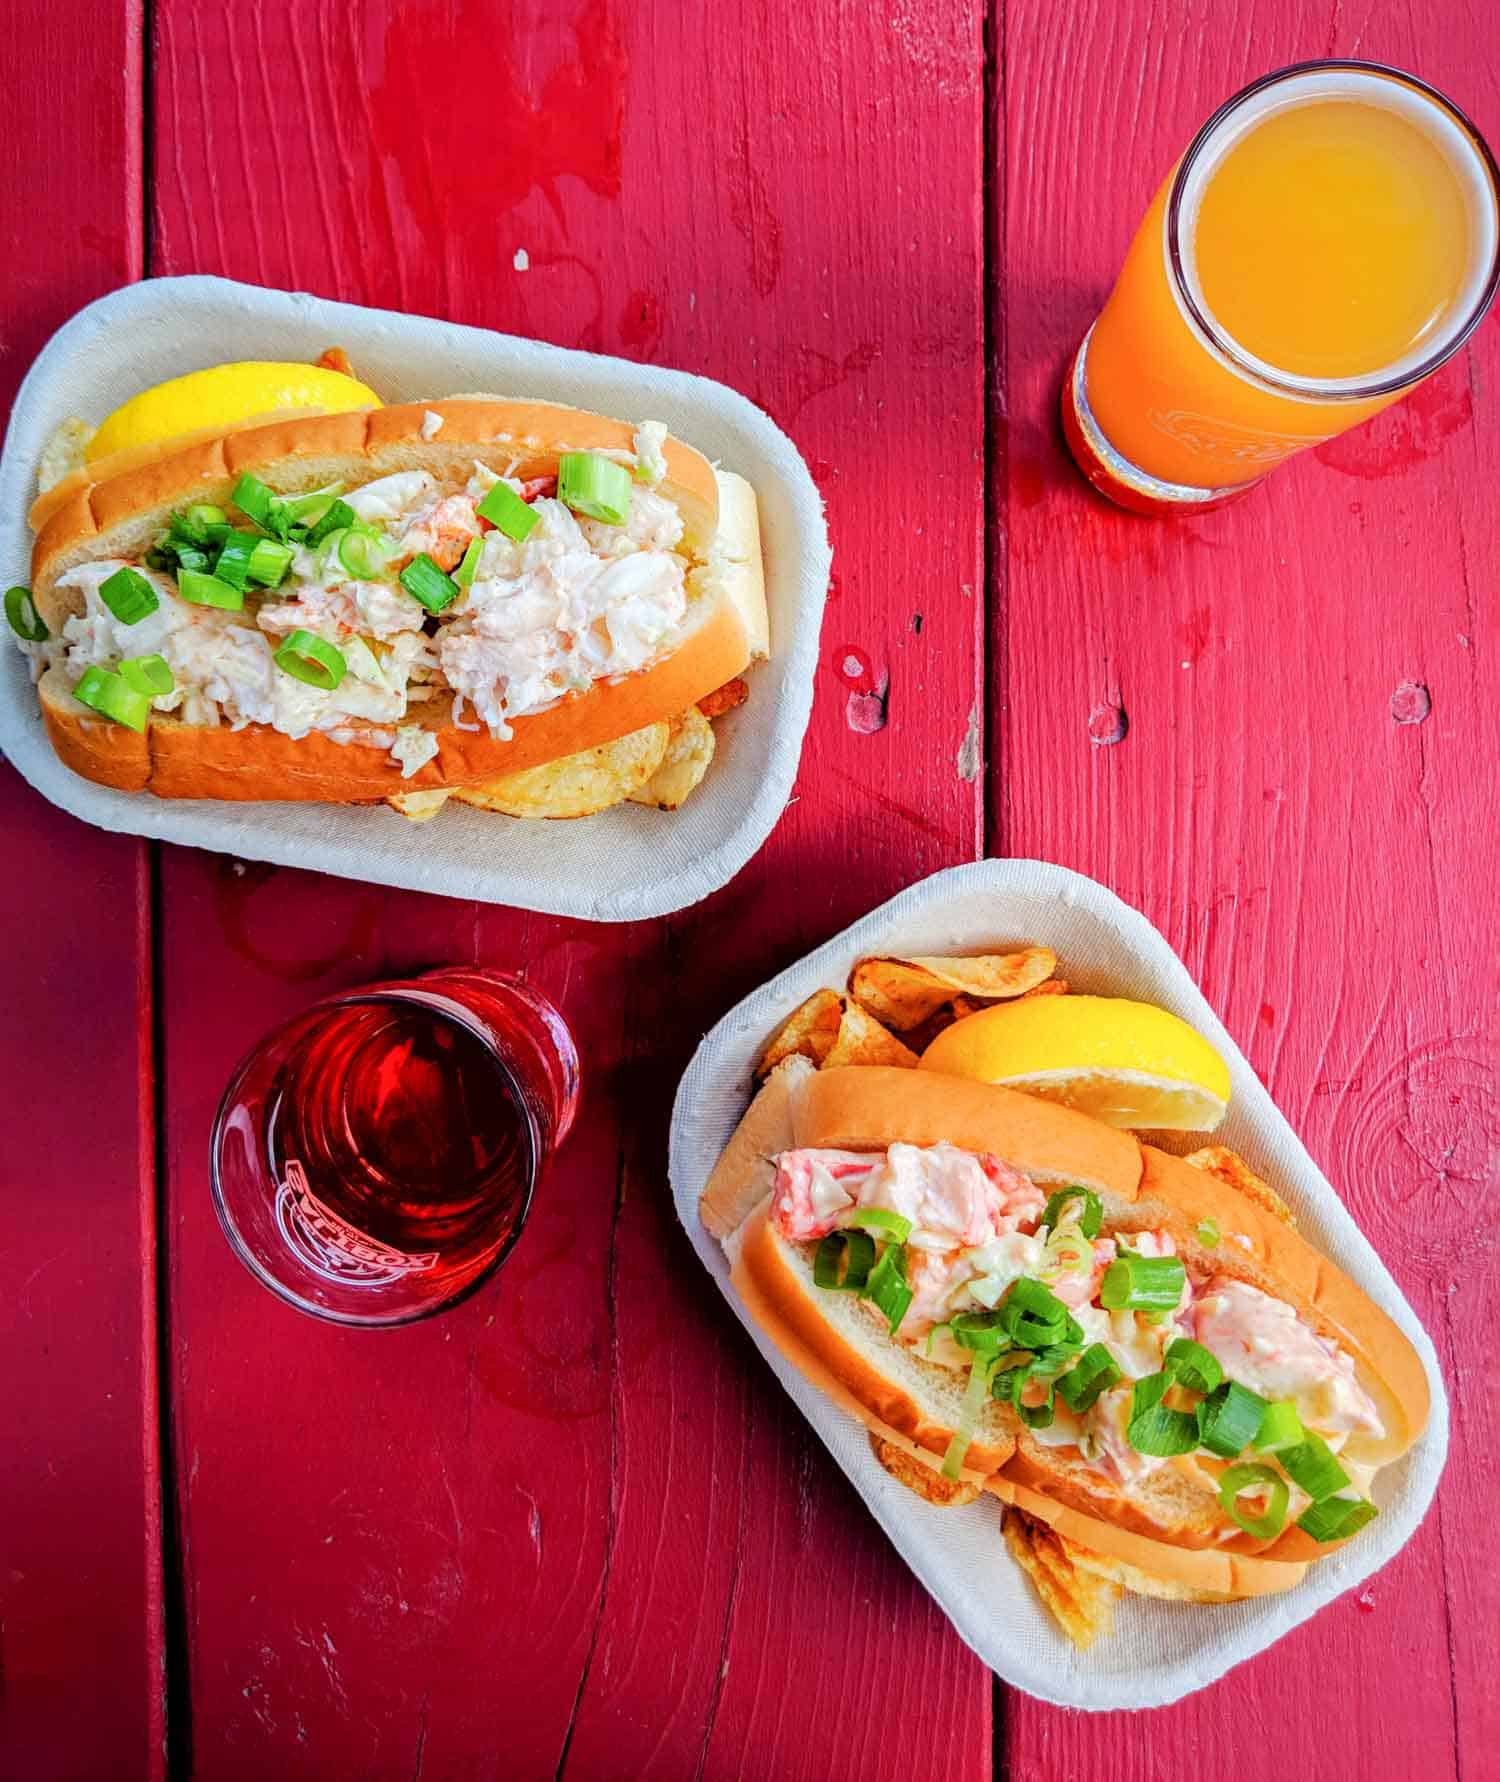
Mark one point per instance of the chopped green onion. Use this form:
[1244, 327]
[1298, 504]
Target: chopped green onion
[1153, 1428]
[1266, 1483]
[1336, 1518]
[428, 585]
[884, 1224]
[269, 562]
[129, 596]
[469, 568]
[364, 553]
[1142, 1284]
[594, 486]
[233, 562]
[843, 1261]
[1067, 1252]
[307, 657]
[1313, 1465]
[190, 557]
[192, 524]
[1281, 1427]
[1052, 1358]
[887, 1286]
[253, 498]
[1096, 1372]
[1033, 1416]
[504, 508]
[335, 518]
[150, 675]
[1195, 1367]
[1208, 1233]
[107, 694]
[975, 1394]
[1229, 1419]
[1089, 1216]
[1034, 1315]
[983, 1332]
[311, 507]
[208, 590]
[25, 620]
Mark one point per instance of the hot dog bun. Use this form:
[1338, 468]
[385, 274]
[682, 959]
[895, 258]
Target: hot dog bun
[120, 514]
[1141, 1189]
[894, 1388]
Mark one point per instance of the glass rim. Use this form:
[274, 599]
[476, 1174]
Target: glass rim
[407, 990]
[1219, 340]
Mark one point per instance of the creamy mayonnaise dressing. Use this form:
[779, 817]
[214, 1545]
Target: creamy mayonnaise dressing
[578, 602]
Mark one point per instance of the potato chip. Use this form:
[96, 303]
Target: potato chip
[992, 976]
[928, 1483]
[418, 807]
[1230, 1167]
[724, 699]
[862, 1040]
[808, 1032]
[690, 749]
[903, 993]
[1052, 987]
[899, 995]
[1080, 1602]
[577, 785]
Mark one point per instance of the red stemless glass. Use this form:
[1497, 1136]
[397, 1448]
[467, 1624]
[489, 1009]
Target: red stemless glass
[374, 1158]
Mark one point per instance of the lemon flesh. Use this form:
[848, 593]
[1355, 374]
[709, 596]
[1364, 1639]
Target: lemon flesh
[1128, 1064]
[223, 396]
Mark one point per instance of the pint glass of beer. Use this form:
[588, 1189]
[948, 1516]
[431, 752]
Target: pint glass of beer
[1327, 241]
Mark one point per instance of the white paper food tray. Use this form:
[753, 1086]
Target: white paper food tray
[1160, 1651]
[622, 865]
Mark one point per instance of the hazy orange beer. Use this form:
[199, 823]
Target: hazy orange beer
[1327, 241]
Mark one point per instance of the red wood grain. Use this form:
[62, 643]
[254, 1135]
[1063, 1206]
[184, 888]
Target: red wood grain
[1314, 858]
[572, 1527]
[81, 1638]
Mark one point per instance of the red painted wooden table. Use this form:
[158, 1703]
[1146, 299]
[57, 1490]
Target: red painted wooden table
[573, 1528]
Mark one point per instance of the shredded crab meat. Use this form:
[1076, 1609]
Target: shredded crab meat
[547, 617]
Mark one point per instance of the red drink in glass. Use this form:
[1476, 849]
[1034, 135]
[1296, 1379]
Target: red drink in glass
[374, 1158]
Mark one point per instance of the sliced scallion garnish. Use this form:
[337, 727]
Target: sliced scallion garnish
[593, 486]
[428, 585]
[1267, 1484]
[1075, 1205]
[1142, 1284]
[129, 596]
[1336, 1518]
[1313, 1465]
[307, 657]
[506, 511]
[208, 590]
[104, 692]
[22, 616]
[150, 675]
[842, 1262]
[1229, 1419]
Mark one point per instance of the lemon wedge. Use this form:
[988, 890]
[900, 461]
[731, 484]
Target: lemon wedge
[223, 396]
[1127, 1063]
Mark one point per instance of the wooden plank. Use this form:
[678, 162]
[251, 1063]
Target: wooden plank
[572, 1526]
[1311, 854]
[82, 1674]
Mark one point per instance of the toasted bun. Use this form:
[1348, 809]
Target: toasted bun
[1141, 1188]
[893, 1389]
[121, 515]
[868, 1107]
[1203, 1573]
